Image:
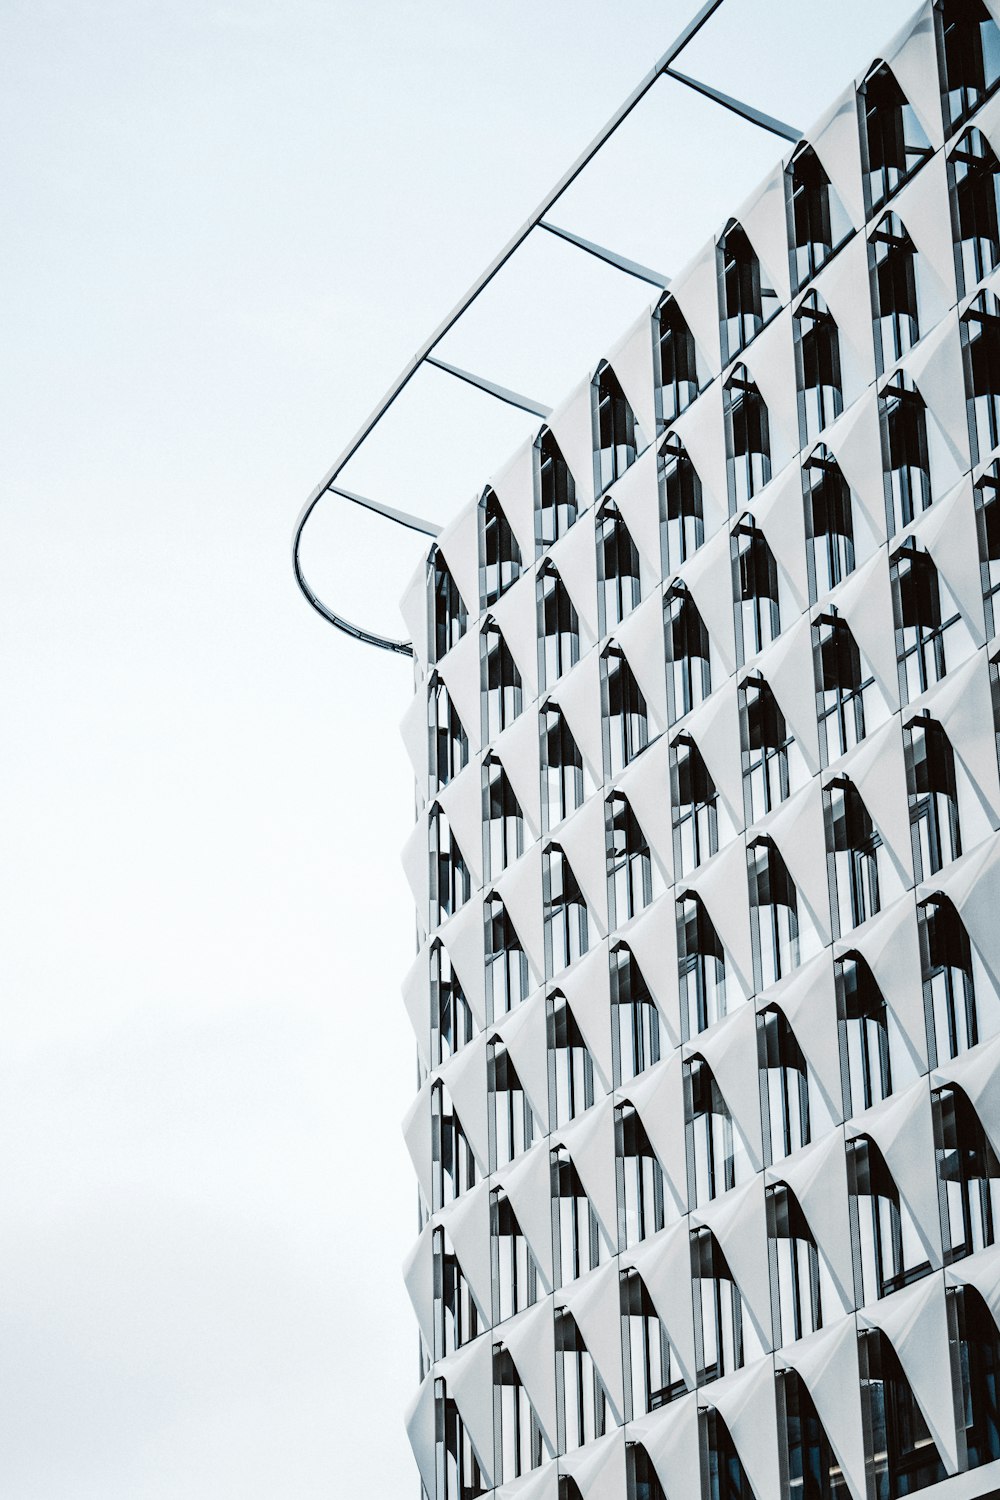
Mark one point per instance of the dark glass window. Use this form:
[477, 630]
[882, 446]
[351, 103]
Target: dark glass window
[449, 874]
[925, 614]
[679, 382]
[718, 1310]
[784, 1085]
[636, 1021]
[565, 912]
[987, 495]
[975, 1355]
[519, 1443]
[630, 870]
[625, 720]
[515, 1271]
[974, 181]
[448, 741]
[451, 1017]
[458, 1471]
[456, 1316]
[772, 763]
[796, 1290]
[774, 918]
[981, 355]
[618, 435]
[905, 457]
[500, 554]
[688, 654]
[642, 1482]
[893, 143]
[818, 224]
[512, 1122]
[502, 692]
[640, 1180]
[453, 1164]
[507, 975]
[694, 805]
[582, 1399]
[755, 588]
[562, 768]
[970, 56]
[967, 1170]
[555, 491]
[503, 823]
[747, 302]
[853, 855]
[845, 686]
[888, 1251]
[829, 522]
[748, 439]
[809, 1466]
[682, 517]
[893, 264]
[865, 1069]
[577, 1232]
[901, 1456]
[817, 360]
[708, 1133]
[571, 1067]
[701, 967]
[617, 568]
[930, 784]
[448, 615]
[558, 627]
[949, 991]
[723, 1476]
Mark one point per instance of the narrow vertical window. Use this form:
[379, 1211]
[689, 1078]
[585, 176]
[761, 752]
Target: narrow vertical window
[708, 1132]
[448, 614]
[519, 1442]
[888, 1251]
[774, 919]
[981, 354]
[893, 142]
[448, 742]
[688, 653]
[677, 353]
[746, 301]
[701, 967]
[457, 1318]
[624, 717]
[450, 884]
[640, 1180]
[968, 1173]
[817, 360]
[555, 491]
[818, 224]
[618, 588]
[503, 822]
[854, 852]
[507, 977]
[652, 1375]
[641, 1479]
[561, 768]
[865, 1062]
[723, 1476]
[796, 1289]
[512, 1122]
[969, 47]
[905, 455]
[500, 564]
[892, 260]
[748, 439]
[772, 762]
[718, 1310]
[974, 182]
[501, 682]
[636, 1021]
[558, 627]
[571, 1067]
[784, 1086]
[515, 1271]
[618, 435]
[565, 912]
[930, 784]
[452, 1025]
[630, 868]
[454, 1165]
[755, 589]
[927, 619]
[845, 686]
[682, 516]
[694, 805]
[901, 1456]
[829, 522]
[809, 1465]
[459, 1472]
[987, 494]
[975, 1355]
[949, 991]
[576, 1231]
[582, 1399]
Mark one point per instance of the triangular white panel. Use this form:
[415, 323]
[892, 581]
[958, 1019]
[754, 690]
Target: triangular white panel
[641, 638]
[582, 839]
[916, 1323]
[912, 57]
[664, 1263]
[590, 1141]
[528, 1184]
[714, 883]
[463, 940]
[572, 425]
[787, 667]
[697, 292]
[828, 1363]
[762, 216]
[889, 945]
[414, 608]
[637, 496]
[459, 546]
[856, 443]
[520, 889]
[948, 531]
[865, 601]
[415, 735]
[738, 1223]
[770, 362]
[652, 939]
[416, 865]
[746, 1402]
[517, 749]
[834, 138]
[537, 1484]
[817, 1175]
[417, 1135]
[530, 1341]
[726, 1046]
[517, 620]
[598, 1468]
[525, 1035]
[878, 771]
[467, 1221]
[701, 430]
[460, 671]
[418, 1278]
[799, 832]
[658, 1097]
[462, 803]
[935, 367]
[464, 1076]
[575, 557]
[587, 987]
[595, 1302]
[715, 728]
[515, 489]
[781, 517]
[645, 784]
[670, 1437]
[901, 1127]
[469, 1377]
[417, 1001]
[632, 361]
[807, 999]
[421, 1430]
[579, 696]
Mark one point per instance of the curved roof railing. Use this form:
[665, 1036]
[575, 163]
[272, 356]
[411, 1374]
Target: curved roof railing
[425, 355]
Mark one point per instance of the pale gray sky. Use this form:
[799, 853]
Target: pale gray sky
[228, 224]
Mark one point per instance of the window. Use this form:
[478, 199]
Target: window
[558, 627]
[817, 222]
[784, 1086]
[888, 1251]
[630, 869]
[905, 460]
[618, 436]
[925, 620]
[748, 439]
[774, 919]
[930, 783]
[507, 979]
[642, 1481]
[520, 1446]
[502, 693]
[901, 1456]
[973, 177]
[809, 1466]
[975, 1354]
[571, 1067]
[845, 687]
[746, 302]
[459, 1473]
[576, 1230]
[796, 1293]
[865, 1069]
[652, 1376]
[555, 491]
[456, 1317]
[625, 723]
[678, 382]
[448, 741]
[829, 522]
[583, 1401]
[688, 653]
[451, 1018]
[640, 1180]
[512, 1122]
[755, 587]
[500, 554]
[694, 806]
[892, 260]
[701, 967]
[853, 853]
[503, 824]
[635, 1019]
[723, 1476]
[565, 912]
[817, 362]
[772, 763]
[682, 517]
[718, 1310]
[515, 1271]
[981, 354]
[893, 143]
[449, 874]
[454, 1166]
[949, 992]
[448, 615]
[970, 56]
[708, 1133]
[967, 1170]
[562, 768]
[617, 568]
[987, 494]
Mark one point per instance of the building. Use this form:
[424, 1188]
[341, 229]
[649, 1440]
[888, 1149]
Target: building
[707, 866]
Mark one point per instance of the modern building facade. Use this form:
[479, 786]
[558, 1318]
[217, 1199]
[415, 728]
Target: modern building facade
[707, 865]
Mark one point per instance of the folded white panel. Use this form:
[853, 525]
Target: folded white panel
[902, 1129]
[469, 1377]
[595, 1302]
[578, 695]
[709, 579]
[529, 1338]
[517, 749]
[738, 1222]
[572, 425]
[464, 1076]
[514, 486]
[417, 1135]
[632, 361]
[458, 544]
[460, 671]
[696, 289]
[746, 1402]
[467, 1222]
[670, 1437]
[590, 1142]
[587, 987]
[520, 889]
[664, 1263]
[726, 1047]
[808, 1001]
[418, 1278]
[583, 840]
[421, 1429]
[525, 1035]
[915, 1321]
[575, 557]
[463, 940]
[637, 495]
[828, 1363]
[640, 636]
[658, 1096]
[528, 1184]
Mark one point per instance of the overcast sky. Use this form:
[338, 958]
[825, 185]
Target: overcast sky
[228, 223]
